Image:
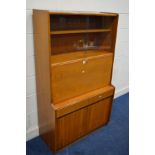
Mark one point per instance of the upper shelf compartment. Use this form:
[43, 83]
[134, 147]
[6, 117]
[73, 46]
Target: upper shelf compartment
[64, 24]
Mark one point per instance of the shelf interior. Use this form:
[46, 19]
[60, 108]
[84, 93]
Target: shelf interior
[77, 32]
[65, 43]
[76, 22]
[76, 56]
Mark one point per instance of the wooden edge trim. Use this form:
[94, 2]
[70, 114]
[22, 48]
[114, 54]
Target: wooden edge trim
[82, 13]
[92, 13]
[81, 59]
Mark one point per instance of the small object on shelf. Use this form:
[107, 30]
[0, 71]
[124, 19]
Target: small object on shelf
[80, 44]
[85, 45]
[91, 43]
[84, 61]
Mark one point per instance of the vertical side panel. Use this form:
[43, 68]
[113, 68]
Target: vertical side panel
[42, 63]
[114, 32]
[114, 35]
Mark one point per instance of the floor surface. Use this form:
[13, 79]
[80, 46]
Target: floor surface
[113, 139]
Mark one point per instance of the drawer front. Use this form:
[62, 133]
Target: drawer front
[75, 78]
[101, 96]
[79, 123]
[82, 101]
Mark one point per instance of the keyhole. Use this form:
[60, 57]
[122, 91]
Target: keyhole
[83, 71]
[84, 61]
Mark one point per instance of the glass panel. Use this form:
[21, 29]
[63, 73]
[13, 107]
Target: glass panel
[78, 42]
[74, 22]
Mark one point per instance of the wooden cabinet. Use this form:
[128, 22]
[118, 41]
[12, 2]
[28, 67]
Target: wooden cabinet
[74, 54]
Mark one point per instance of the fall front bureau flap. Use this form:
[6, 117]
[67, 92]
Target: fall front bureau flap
[73, 77]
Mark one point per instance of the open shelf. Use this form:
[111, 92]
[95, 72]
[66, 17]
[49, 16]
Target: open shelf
[80, 22]
[66, 43]
[76, 56]
[79, 31]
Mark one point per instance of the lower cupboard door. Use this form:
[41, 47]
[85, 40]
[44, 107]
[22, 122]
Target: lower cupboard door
[72, 126]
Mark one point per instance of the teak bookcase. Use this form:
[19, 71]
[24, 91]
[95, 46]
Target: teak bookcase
[74, 54]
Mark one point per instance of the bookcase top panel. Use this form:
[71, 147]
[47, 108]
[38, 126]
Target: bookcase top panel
[86, 13]
[82, 13]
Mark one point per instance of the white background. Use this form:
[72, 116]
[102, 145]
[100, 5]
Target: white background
[121, 69]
